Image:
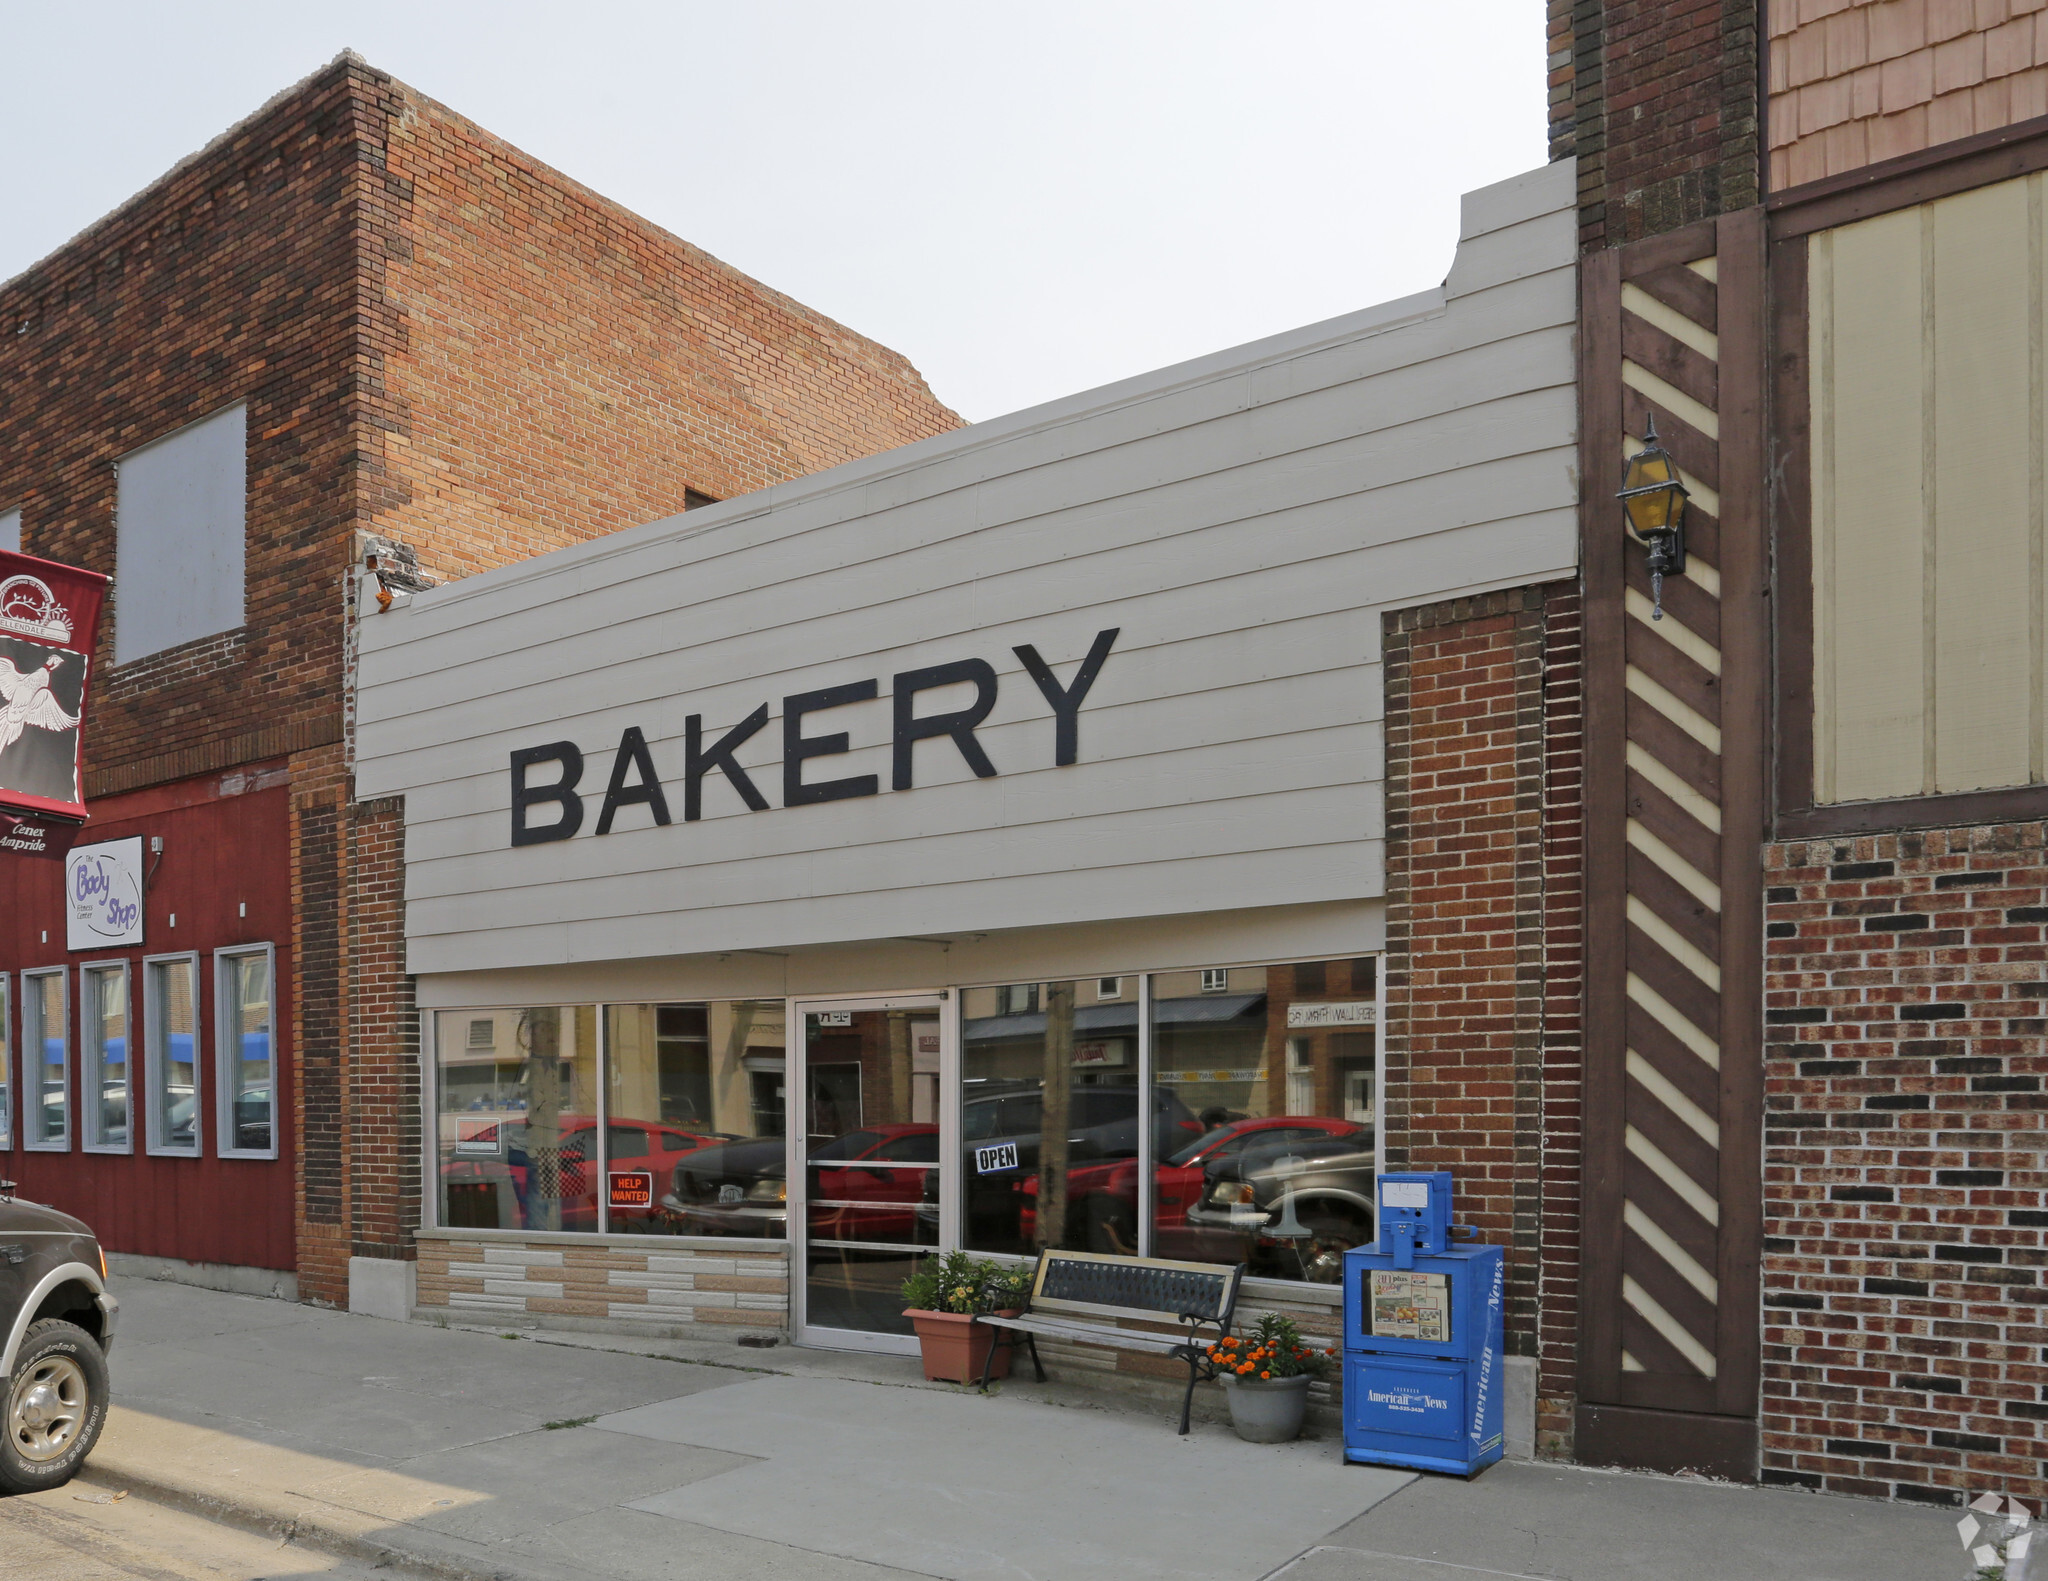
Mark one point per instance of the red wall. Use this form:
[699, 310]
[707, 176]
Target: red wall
[226, 846]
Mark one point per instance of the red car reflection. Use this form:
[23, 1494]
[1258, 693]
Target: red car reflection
[1102, 1199]
[490, 1156]
[873, 1195]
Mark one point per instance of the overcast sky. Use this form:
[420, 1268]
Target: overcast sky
[1025, 199]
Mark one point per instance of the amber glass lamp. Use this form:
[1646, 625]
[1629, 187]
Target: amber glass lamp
[1653, 502]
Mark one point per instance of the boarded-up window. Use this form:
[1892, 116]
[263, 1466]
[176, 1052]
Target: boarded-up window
[180, 518]
[1928, 443]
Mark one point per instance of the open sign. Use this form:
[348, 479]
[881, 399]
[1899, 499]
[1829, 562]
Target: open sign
[632, 1188]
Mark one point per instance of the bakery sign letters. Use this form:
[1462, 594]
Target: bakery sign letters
[553, 809]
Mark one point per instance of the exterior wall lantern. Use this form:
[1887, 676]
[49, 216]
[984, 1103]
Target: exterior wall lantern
[1654, 503]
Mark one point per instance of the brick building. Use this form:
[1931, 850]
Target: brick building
[354, 328]
[1701, 928]
[1263, 722]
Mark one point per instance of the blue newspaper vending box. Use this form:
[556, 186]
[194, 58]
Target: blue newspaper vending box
[1422, 1336]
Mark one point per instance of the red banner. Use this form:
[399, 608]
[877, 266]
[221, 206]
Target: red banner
[49, 619]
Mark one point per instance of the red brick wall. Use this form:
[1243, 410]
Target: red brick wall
[549, 367]
[1564, 897]
[1659, 101]
[1905, 1340]
[1482, 739]
[228, 281]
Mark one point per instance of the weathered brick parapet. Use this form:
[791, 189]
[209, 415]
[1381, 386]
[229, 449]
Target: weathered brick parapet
[1906, 1164]
[1659, 100]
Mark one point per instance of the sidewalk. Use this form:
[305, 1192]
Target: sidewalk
[466, 1453]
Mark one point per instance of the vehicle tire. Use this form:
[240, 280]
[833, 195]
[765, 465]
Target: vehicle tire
[1332, 1232]
[54, 1408]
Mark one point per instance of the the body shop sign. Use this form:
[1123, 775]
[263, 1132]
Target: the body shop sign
[103, 894]
[49, 616]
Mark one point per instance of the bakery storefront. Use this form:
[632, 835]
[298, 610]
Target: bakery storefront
[980, 845]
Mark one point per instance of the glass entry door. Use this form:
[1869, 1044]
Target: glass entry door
[865, 1208]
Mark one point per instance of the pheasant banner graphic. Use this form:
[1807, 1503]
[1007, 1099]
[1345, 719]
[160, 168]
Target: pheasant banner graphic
[49, 617]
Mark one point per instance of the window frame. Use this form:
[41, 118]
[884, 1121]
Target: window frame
[1794, 216]
[7, 1042]
[153, 1060]
[63, 976]
[125, 654]
[92, 1061]
[224, 1088]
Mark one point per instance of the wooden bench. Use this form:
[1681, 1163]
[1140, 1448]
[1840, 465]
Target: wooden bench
[1081, 1295]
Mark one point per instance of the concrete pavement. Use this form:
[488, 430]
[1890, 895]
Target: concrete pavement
[83, 1532]
[531, 1458]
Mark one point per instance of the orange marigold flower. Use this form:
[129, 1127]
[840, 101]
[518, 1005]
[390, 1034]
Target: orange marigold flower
[1265, 1375]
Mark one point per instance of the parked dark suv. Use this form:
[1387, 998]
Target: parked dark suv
[57, 1323]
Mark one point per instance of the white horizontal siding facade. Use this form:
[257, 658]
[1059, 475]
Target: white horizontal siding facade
[1242, 521]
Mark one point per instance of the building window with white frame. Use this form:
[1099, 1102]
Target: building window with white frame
[45, 1050]
[103, 1042]
[245, 1037]
[170, 1033]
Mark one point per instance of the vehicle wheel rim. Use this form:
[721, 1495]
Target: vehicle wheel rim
[46, 1410]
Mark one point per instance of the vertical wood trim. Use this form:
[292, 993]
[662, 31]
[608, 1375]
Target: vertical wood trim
[1601, 555]
[2037, 489]
[1745, 661]
[1930, 503]
[1792, 521]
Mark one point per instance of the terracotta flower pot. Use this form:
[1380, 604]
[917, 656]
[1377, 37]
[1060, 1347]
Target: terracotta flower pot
[955, 1346]
[1267, 1410]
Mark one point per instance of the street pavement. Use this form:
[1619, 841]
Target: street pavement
[530, 1456]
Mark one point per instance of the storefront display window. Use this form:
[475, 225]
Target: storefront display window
[518, 1118]
[694, 1119]
[170, 1023]
[1050, 1104]
[45, 1050]
[103, 1056]
[1251, 1090]
[246, 1052]
[1277, 1066]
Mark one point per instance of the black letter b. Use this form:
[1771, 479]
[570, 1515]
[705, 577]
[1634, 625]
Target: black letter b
[562, 791]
